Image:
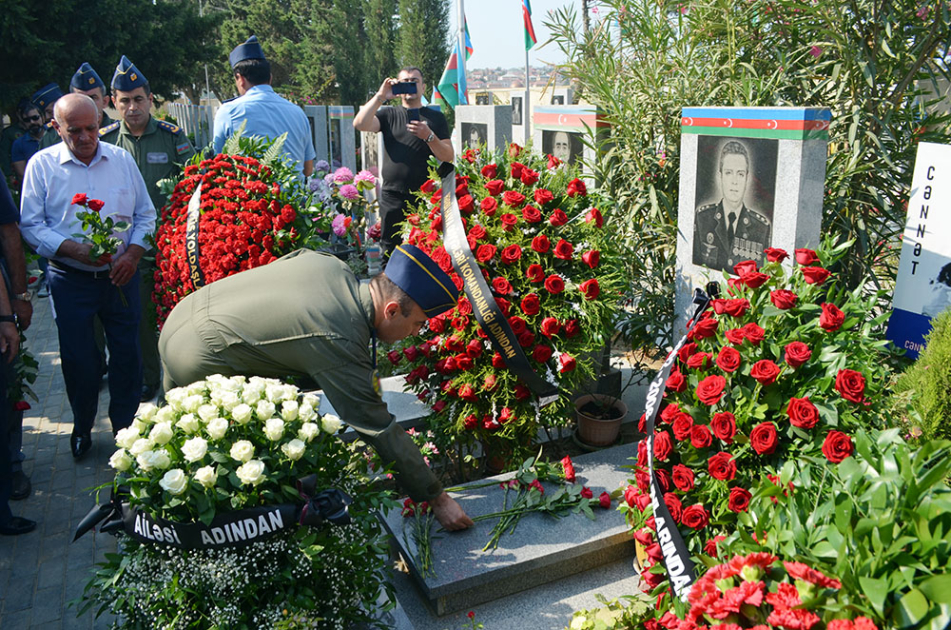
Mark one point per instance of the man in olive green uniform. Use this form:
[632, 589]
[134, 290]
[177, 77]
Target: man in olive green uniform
[85, 81]
[159, 149]
[728, 232]
[306, 314]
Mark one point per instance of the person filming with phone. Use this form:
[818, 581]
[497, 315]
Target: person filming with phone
[411, 133]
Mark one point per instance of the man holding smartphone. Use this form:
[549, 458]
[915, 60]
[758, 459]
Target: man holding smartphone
[411, 134]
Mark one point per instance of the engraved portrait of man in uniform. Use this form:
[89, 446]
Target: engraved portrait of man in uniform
[736, 181]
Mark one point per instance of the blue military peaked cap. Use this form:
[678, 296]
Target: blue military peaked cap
[413, 271]
[250, 49]
[86, 79]
[127, 76]
[47, 94]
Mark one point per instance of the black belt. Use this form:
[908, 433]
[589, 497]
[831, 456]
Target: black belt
[97, 275]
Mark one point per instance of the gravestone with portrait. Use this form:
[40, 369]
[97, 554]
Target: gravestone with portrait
[750, 178]
[562, 95]
[519, 128]
[566, 131]
[371, 148]
[341, 136]
[478, 125]
[317, 117]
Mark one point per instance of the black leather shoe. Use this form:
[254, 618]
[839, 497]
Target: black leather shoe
[80, 445]
[21, 486]
[16, 526]
[148, 392]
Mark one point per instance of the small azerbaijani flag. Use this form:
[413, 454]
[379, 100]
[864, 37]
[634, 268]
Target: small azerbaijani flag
[530, 39]
[452, 89]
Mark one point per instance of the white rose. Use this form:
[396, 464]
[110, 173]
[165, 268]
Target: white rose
[308, 431]
[313, 400]
[176, 397]
[174, 481]
[330, 423]
[294, 449]
[194, 449]
[217, 428]
[242, 413]
[306, 412]
[208, 413]
[125, 438]
[274, 429]
[251, 472]
[160, 459]
[120, 460]
[197, 388]
[161, 433]
[228, 400]
[259, 382]
[165, 414]
[147, 411]
[264, 409]
[289, 410]
[140, 446]
[242, 451]
[207, 476]
[192, 403]
[138, 425]
[188, 423]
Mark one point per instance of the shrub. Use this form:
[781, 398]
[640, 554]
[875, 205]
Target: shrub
[927, 383]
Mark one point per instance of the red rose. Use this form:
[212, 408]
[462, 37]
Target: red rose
[572, 328]
[586, 493]
[710, 389]
[815, 275]
[517, 168]
[501, 285]
[662, 446]
[831, 318]
[683, 478]
[802, 413]
[723, 425]
[554, 284]
[577, 188]
[676, 382]
[553, 162]
[754, 280]
[765, 372]
[541, 353]
[783, 299]
[513, 198]
[735, 336]
[489, 171]
[531, 214]
[511, 254]
[669, 414]
[687, 351]
[673, 506]
[604, 500]
[467, 393]
[797, 353]
[703, 329]
[774, 254]
[428, 186]
[535, 273]
[522, 392]
[851, 385]
[470, 422]
[79, 199]
[490, 382]
[728, 359]
[590, 289]
[95, 204]
[475, 348]
[543, 196]
[700, 436]
[464, 362]
[541, 244]
[806, 256]
[530, 304]
[591, 258]
[558, 218]
[466, 203]
[518, 325]
[739, 500]
[682, 426]
[411, 353]
[745, 267]
[486, 252]
[695, 517]
[508, 221]
[514, 150]
[394, 356]
[710, 547]
[564, 250]
[733, 308]
[489, 423]
[754, 333]
[494, 187]
[550, 326]
[763, 438]
[699, 361]
[506, 416]
[489, 206]
[721, 466]
[594, 216]
[567, 362]
[439, 406]
[837, 446]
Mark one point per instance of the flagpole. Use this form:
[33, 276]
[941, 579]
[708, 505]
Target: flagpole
[461, 56]
[528, 104]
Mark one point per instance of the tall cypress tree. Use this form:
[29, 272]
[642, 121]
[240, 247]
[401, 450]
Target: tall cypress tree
[380, 22]
[424, 38]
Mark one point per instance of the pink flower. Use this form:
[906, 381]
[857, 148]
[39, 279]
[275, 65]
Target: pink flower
[349, 192]
[343, 175]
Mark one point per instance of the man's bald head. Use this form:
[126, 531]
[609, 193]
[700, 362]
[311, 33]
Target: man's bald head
[71, 104]
[76, 120]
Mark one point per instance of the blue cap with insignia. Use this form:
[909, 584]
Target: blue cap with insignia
[86, 79]
[127, 76]
[47, 94]
[416, 273]
[250, 49]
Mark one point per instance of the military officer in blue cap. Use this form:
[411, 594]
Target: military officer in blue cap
[266, 114]
[306, 314]
[159, 149]
[85, 81]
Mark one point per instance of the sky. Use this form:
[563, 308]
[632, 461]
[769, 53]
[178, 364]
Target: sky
[495, 27]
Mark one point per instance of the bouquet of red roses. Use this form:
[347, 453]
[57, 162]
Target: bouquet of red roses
[541, 244]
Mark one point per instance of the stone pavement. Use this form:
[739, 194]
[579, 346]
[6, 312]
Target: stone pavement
[41, 572]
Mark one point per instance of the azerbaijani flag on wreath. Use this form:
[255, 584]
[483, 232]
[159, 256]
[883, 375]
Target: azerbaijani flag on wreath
[452, 89]
[530, 39]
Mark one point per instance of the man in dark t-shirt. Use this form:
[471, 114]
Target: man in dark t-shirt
[411, 134]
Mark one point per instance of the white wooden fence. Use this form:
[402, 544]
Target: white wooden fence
[197, 121]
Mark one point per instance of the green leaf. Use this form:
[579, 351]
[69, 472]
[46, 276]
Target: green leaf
[911, 609]
[876, 590]
[938, 588]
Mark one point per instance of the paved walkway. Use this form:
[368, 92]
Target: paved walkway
[41, 572]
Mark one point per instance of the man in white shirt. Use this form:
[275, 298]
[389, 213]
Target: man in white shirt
[83, 288]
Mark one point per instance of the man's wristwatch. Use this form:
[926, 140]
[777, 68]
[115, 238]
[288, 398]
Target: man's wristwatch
[8, 318]
[431, 137]
[26, 296]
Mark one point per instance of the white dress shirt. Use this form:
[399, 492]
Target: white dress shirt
[54, 175]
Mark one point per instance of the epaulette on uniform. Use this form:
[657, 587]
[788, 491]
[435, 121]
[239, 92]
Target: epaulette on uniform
[707, 207]
[49, 125]
[757, 216]
[109, 128]
[169, 127]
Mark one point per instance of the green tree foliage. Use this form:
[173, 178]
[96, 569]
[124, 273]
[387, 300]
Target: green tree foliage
[423, 38]
[927, 383]
[381, 33]
[47, 41]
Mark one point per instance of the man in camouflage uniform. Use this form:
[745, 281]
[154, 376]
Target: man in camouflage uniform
[85, 81]
[728, 232]
[159, 149]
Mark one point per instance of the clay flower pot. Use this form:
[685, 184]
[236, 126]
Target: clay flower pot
[599, 418]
